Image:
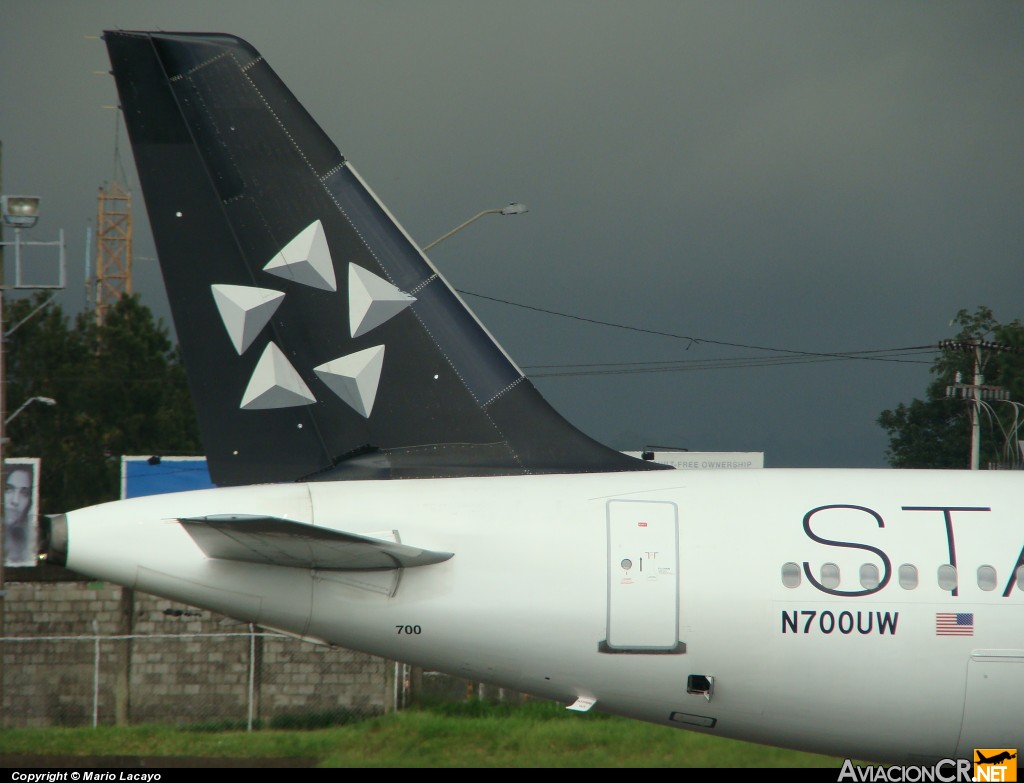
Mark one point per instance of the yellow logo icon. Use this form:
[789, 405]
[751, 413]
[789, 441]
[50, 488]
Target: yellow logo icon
[995, 764]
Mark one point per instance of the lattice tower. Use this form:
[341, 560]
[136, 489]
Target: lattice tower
[113, 247]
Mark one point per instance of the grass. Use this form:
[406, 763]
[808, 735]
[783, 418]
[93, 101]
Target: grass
[466, 734]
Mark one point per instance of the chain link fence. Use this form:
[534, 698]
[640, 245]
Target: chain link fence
[213, 680]
[91, 654]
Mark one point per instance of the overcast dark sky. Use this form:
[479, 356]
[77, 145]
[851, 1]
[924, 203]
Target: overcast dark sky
[810, 176]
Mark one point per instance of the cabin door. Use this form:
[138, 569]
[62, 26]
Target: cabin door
[643, 577]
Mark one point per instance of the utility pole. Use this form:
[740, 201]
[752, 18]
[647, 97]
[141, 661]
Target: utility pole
[975, 392]
[3, 474]
[20, 212]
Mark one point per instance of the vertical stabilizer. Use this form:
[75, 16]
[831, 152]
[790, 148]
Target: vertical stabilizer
[319, 340]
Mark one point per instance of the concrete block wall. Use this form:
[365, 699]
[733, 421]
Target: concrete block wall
[181, 665]
[50, 682]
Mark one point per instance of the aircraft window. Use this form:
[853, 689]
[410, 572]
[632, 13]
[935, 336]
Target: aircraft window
[908, 576]
[1020, 577]
[869, 576]
[986, 577]
[947, 577]
[790, 574]
[830, 575]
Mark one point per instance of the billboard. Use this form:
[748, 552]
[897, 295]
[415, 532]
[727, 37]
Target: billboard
[158, 475]
[21, 510]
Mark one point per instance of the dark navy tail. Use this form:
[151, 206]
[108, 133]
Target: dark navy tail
[319, 340]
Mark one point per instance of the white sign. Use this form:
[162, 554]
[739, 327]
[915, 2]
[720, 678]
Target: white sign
[706, 460]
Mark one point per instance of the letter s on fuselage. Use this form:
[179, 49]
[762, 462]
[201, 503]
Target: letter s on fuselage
[887, 565]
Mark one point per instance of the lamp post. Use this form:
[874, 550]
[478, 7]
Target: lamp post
[20, 213]
[29, 401]
[414, 686]
[511, 209]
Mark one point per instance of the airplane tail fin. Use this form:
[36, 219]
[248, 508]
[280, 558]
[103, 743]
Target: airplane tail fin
[319, 341]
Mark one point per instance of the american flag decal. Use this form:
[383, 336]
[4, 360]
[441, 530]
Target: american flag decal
[954, 623]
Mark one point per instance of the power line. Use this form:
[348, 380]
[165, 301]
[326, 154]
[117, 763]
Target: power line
[893, 354]
[623, 368]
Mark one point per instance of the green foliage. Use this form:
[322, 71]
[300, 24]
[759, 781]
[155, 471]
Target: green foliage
[307, 721]
[535, 709]
[120, 389]
[936, 432]
[299, 721]
[509, 736]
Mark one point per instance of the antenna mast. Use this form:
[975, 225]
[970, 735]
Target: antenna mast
[113, 238]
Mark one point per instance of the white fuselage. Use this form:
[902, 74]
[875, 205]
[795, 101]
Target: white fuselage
[625, 587]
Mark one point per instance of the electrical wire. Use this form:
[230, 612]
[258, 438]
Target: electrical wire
[792, 356]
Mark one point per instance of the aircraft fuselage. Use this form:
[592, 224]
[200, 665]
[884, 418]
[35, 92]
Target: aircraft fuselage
[762, 605]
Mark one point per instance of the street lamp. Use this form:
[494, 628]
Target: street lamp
[29, 401]
[21, 211]
[511, 209]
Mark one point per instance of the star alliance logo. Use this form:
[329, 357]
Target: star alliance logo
[246, 310]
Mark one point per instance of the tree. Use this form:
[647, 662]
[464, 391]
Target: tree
[120, 389]
[936, 432]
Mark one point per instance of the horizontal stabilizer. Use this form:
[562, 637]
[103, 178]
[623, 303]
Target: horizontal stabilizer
[284, 542]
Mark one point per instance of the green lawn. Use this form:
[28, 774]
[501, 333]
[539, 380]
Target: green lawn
[537, 734]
